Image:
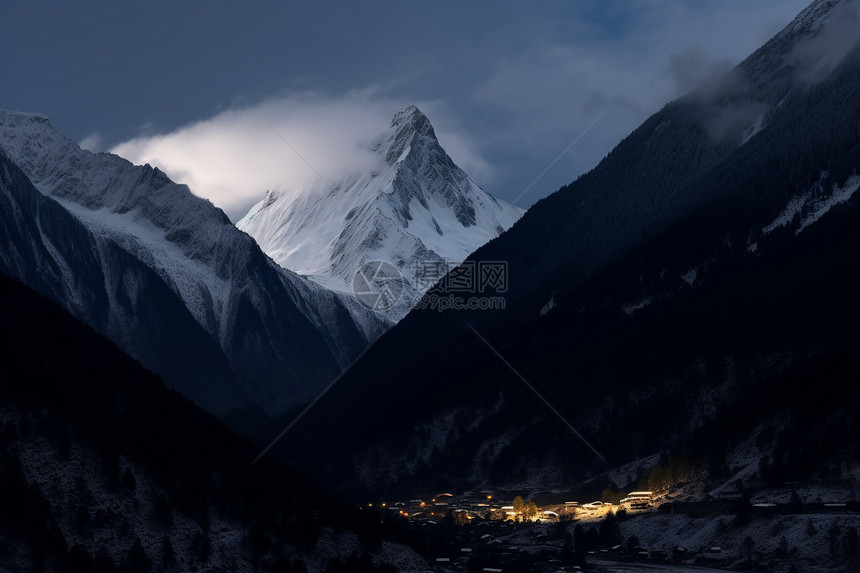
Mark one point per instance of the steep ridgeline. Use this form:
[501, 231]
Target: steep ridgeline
[102, 468]
[696, 288]
[414, 208]
[166, 276]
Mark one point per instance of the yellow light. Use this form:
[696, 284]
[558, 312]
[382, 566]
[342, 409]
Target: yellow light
[489, 497]
[406, 514]
[383, 505]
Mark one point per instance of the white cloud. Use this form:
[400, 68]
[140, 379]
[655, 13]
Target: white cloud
[92, 142]
[816, 57]
[288, 143]
[553, 87]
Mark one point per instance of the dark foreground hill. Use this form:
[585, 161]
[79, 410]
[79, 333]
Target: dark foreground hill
[104, 469]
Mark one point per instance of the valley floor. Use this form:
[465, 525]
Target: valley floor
[684, 536]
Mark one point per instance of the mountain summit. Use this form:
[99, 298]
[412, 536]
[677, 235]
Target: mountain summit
[408, 123]
[414, 208]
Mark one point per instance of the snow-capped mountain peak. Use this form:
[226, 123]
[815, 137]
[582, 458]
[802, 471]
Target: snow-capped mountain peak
[417, 206]
[409, 128]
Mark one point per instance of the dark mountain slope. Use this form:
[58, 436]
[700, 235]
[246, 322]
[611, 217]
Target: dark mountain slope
[758, 338]
[102, 465]
[652, 178]
[167, 276]
[672, 307]
[135, 306]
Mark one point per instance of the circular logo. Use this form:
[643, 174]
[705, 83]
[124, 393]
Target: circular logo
[378, 285]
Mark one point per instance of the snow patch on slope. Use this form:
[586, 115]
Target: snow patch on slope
[148, 243]
[632, 307]
[690, 276]
[813, 204]
[548, 306]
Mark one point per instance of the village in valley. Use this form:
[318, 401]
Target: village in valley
[503, 532]
[496, 532]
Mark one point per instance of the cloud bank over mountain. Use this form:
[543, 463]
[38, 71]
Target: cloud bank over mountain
[290, 144]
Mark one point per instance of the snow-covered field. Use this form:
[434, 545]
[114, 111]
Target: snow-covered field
[806, 539]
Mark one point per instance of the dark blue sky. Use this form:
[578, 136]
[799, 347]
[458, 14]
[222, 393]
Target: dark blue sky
[507, 84]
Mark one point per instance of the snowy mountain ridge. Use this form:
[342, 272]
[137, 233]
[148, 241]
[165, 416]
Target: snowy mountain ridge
[237, 295]
[139, 206]
[416, 207]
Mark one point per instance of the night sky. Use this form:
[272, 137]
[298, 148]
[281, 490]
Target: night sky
[206, 90]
